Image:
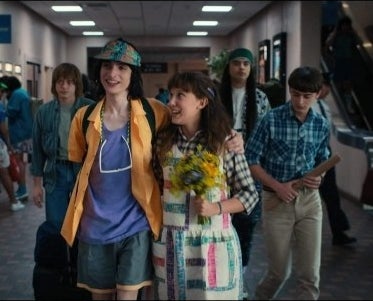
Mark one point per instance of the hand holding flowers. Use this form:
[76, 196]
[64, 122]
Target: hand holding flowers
[206, 208]
[198, 171]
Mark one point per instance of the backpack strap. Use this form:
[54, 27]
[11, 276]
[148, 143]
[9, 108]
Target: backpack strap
[87, 112]
[149, 115]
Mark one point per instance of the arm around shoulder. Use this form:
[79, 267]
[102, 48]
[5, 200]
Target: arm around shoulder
[162, 113]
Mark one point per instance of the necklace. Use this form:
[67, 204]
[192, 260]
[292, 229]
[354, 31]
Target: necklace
[102, 124]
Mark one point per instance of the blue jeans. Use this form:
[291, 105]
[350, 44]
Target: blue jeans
[56, 202]
[245, 225]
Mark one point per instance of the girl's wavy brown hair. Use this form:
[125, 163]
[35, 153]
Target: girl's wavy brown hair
[215, 122]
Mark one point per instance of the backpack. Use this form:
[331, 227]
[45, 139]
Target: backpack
[146, 106]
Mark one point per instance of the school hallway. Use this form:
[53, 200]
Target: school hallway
[346, 272]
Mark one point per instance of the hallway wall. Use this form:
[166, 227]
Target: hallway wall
[35, 40]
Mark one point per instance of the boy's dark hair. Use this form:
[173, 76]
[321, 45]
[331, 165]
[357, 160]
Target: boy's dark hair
[306, 79]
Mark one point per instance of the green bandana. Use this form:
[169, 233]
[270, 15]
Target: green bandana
[241, 53]
[3, 86]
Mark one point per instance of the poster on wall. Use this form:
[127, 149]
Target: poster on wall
[5, 29]
[279, 57]
[264, 57]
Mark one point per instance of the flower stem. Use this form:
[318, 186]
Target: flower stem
[204, 220]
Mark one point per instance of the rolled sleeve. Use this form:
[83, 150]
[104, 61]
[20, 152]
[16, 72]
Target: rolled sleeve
[240, 181]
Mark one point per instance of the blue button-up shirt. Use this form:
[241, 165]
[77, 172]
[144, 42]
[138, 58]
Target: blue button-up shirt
[285, 147]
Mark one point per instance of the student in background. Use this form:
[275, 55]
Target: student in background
[329, 192]
[50, 167]
[342, 42]
[20, 129]
[245, 104]
[5, 178]
[89, 87]
[163, 95]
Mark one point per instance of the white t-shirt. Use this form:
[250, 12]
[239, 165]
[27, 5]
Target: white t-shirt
[238, 99]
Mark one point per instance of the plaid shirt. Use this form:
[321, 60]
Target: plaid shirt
[237, 171]
[286, 148]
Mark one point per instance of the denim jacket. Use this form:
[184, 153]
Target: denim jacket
[45, 140]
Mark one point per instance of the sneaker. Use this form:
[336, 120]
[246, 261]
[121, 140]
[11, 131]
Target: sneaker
[21, 195]
[16, 206]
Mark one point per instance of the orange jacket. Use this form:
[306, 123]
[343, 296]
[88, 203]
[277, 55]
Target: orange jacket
[144, 185]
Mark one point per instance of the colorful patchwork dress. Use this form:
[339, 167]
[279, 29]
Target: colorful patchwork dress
[192, 261]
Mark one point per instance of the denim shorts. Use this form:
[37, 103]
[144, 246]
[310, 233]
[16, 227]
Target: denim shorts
[24, 146]
[122, 265]
[4, 155]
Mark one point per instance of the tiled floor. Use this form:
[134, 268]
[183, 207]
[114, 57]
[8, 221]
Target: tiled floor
[346, 272]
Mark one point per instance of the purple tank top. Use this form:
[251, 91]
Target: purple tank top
[111, 212]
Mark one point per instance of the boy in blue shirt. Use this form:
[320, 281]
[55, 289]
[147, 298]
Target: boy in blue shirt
[287, 143]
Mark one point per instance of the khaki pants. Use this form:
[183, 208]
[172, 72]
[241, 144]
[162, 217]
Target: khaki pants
[292, 231]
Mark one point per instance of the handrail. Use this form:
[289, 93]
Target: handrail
[344, 130]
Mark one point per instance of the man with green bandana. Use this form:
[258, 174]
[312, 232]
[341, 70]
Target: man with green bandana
[246, 104]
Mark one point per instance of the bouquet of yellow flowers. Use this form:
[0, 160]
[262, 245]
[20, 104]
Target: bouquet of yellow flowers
[198, 171]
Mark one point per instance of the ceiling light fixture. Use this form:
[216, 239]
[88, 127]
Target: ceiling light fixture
[82, 23]
[210, 8]
[67, 8]
[205, 23]
[93, 33]
[197, 33]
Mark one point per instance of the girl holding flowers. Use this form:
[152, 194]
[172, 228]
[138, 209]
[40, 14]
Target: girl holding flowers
[197, 256]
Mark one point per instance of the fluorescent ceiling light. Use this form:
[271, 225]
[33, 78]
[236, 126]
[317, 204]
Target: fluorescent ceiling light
[67, 8]
[93, 33]
[197, 33]
[205, 23]
[82, 23]
[210, 8]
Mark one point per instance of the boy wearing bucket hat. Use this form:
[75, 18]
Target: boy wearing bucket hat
[122, 208]
[246, 104]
